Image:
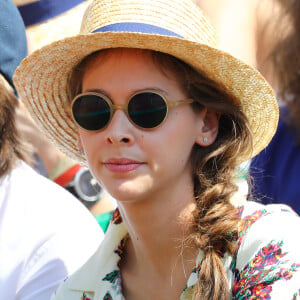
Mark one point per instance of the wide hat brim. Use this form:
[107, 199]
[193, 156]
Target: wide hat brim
[42, 80]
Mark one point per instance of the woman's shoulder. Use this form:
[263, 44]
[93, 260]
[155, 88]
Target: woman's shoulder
[267, 259]
[272, 221]
[253, 207]
[96, 277]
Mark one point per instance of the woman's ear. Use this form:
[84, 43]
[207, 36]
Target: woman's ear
[208, 127]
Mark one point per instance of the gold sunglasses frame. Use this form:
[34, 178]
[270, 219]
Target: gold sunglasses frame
[124, 107]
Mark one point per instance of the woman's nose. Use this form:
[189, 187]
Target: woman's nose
[119, 130]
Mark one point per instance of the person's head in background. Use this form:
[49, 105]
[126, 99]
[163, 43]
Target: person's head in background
[12, 51]
[265, 34]
[283, 59]
[45, 21]
[49, 20]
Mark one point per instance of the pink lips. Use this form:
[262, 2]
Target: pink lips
[121, 165]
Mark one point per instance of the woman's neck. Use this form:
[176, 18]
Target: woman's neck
[157, 256]
[158, 230]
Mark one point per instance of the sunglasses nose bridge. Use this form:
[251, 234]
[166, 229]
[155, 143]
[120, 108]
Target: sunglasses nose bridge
[119, 107]
[115, 107]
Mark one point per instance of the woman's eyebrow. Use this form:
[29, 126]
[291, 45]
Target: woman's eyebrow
[105, 93]
[96, 91]
[153, 89]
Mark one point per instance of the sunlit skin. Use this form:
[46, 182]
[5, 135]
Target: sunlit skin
[147, 171]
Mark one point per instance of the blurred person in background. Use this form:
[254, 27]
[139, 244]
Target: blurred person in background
[265, 34]
[47, 21]
[276, 170]
[44, 230]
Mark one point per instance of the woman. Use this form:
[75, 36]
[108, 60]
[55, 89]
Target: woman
[163, 118]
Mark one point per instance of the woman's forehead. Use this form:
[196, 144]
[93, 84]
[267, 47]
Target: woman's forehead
[127, 70]
[116, 54]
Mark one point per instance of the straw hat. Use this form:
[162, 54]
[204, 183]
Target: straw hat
[176, 27]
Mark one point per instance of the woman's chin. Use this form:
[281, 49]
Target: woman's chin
[130, 190]
[127, 195]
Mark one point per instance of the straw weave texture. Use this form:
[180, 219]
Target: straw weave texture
[179, 18]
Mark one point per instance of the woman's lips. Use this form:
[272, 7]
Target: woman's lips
[121, 165]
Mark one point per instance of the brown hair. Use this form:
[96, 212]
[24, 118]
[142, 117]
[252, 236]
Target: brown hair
[214, 171]
[11, 147]
[286, 60]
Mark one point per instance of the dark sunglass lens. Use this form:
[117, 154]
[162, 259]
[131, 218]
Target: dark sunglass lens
[91, 112]
[147, 110]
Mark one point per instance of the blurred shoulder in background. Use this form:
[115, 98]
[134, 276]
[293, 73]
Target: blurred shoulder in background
[47, 21]
[45, 233]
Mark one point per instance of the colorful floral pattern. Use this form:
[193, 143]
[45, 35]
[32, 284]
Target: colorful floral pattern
[256, 279]
[114, 277]
[108, 296]
[121, 247]
[84, 296]
[116, 217]
[248, 221]
[244, 227]
[296, 295]
[268, 265]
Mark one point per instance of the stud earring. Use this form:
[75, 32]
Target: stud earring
[205, 140]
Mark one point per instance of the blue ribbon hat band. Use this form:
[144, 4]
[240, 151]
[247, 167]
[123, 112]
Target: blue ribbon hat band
[137, 27]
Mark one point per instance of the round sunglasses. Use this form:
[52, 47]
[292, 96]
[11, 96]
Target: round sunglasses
[147, 109]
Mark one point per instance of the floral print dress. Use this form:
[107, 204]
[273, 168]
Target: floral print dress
[265, 265]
